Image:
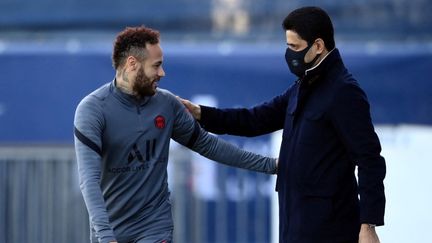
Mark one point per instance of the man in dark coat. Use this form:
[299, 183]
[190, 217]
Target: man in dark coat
[327, 132]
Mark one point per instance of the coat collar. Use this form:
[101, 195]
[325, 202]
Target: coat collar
[323, 67]
[314, 76]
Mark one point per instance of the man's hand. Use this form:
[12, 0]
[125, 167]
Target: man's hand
[194, 109]
[368, 234]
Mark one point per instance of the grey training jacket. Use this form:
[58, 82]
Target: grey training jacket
[122, 150]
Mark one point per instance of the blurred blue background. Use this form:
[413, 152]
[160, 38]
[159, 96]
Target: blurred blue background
[53, 53]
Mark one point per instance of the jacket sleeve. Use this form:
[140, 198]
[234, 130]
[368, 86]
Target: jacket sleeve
[351, 117]
[258, 120]
[88, 126]
[188, 132]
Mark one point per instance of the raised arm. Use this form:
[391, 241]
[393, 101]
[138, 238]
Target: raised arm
[88, 125]
[189, 133]
[258, 120]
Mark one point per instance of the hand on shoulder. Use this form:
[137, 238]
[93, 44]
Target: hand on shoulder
[193, 108]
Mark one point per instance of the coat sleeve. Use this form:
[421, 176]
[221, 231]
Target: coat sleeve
[351, 117]
[258, 120]
[88, 127]
[188, 132]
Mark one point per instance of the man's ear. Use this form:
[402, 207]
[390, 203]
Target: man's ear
[131, 63]
[320, 45]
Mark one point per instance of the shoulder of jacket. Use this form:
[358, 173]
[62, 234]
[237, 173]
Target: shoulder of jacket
[165, 93]
[102, 92]
[96, 98]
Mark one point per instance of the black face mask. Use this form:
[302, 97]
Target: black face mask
[296, 63]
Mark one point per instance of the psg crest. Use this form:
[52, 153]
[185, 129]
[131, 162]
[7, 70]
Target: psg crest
[159, 122]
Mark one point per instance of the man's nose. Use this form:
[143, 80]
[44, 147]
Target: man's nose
[161, 72]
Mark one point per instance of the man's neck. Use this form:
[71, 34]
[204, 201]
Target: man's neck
[124, 84]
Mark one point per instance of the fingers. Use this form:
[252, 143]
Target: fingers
[189, 105]
[194, 109]
[185, 102]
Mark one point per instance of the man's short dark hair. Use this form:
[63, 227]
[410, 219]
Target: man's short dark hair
[311, 23]
[131, 41]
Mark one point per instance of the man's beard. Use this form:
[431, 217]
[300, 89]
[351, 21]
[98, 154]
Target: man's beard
[143, 85]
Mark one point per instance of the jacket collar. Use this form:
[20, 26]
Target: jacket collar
[127, 99]
[322, 68]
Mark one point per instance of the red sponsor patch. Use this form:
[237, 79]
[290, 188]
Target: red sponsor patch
[159, 122]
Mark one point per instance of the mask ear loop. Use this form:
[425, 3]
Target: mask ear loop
[309, 64]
